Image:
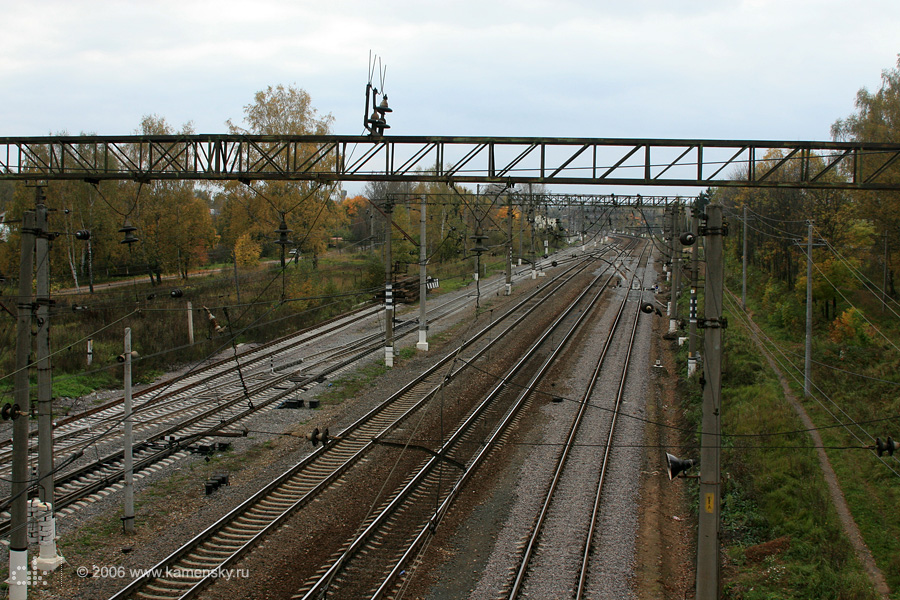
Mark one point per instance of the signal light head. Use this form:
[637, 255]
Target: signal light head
[121, 358]
[675, 466]
[647, 308]
[687, 238]
[317, 436]
[82, 234]
[888, 446]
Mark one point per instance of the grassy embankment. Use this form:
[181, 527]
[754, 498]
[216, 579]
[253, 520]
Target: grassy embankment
[262, 306]
[781, 533]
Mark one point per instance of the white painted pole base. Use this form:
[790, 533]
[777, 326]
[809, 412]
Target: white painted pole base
[692, 365]
[519, 261]
[508, 289]
[18, 575]
[533, 273]
[389, 356]
[49, 559]
[673, 325]
[422, 344]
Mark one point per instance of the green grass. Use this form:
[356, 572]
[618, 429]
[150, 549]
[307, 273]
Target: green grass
[79, 384]
[775, 492]
[869, 486]
[353, 384]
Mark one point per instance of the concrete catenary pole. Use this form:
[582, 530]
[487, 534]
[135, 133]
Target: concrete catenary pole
[190, 321]
[693, 357]
[884, 289]
[807, 363]
[18, 537]
[44, 383]
[710, 478]
[509, 246]
[422, 344]
[49, 559]
[128, 461]
[744, 271]
[676, 267]
[388, 288]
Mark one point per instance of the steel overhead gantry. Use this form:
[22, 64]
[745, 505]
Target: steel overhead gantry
[574, 161]
[597, 200]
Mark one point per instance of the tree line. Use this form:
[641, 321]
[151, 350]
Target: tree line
[180, 226]
[862, 226]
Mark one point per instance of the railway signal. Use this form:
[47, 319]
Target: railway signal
[648, 308]
[676, 467]
[889, 446]
[319, 436]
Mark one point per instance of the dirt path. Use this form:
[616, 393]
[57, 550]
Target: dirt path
[837, 496]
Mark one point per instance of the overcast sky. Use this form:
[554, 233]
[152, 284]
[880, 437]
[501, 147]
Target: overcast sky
[729, 69]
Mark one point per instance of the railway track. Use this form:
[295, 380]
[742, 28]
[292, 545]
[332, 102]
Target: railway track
[373, 563]
[190, 411]
[548, 564]
[183, 393]
[225, 542]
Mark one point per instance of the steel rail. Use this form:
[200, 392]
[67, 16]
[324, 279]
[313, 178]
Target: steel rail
[349, 446]
[332, 324]
[563, 457]
[183, 404]
[324, 580]
[595, 514]
[98, 479]
[105, 472]
[428, 530]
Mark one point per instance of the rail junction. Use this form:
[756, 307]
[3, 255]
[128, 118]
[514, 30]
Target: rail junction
[433, 446]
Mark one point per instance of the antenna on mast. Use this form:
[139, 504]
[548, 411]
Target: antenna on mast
[375, 123]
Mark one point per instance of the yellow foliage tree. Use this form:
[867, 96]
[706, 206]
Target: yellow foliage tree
[246, 250]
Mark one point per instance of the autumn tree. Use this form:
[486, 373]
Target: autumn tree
[174, 225]
[877, 119]
[257, 208]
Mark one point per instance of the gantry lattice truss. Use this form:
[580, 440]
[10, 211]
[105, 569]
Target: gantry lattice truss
[509, 161]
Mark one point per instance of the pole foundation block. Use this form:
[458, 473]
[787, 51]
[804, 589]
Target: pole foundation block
[422, 344]
[18, 574]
